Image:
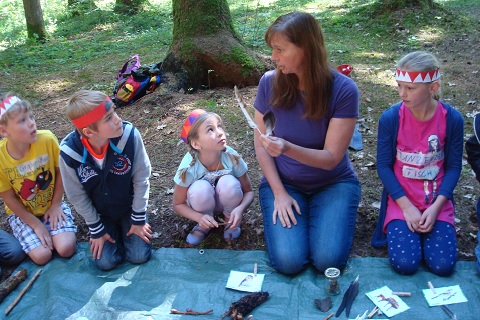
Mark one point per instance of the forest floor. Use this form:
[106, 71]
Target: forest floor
[160, 116]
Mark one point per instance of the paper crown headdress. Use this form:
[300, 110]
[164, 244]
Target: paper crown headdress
[93, 115]
[417, 76]
[7, 103]
[187, 125]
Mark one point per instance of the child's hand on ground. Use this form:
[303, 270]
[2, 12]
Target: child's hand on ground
[56, 216]
[143, 231]
[207, 222]
[96, 245]
[44, 235]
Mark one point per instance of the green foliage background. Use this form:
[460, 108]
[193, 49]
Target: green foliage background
[86, 51]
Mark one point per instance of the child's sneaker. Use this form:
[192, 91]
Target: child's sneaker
[230, 235]
[197, 235]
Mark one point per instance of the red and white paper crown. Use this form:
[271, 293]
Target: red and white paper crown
[7, 103]
[417, 76]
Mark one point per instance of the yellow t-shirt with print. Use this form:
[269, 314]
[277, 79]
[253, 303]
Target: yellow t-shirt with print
[32, 177]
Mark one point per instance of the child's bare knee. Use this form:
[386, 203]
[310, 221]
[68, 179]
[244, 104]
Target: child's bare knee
[40, 255]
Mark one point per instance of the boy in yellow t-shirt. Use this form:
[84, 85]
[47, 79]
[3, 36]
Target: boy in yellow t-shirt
[31, 186]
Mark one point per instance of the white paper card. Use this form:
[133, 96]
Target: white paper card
[388, 303]
[244, 281]
[444, 295]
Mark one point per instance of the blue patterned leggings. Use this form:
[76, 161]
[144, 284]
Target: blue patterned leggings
[406, 249]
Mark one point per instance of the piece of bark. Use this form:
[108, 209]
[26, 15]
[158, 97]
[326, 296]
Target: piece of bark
[11, 283]
[20, 295]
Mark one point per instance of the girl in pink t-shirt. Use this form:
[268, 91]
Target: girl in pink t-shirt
[421, 171]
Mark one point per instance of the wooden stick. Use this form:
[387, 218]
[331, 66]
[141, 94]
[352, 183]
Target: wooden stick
[20, 295]
[190, 312]
[255, 269]
[11, 283]
[329, 316]
[402, 294]
[430, 285]
[374, 311]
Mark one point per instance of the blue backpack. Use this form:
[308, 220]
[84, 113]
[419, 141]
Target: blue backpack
[135, 81]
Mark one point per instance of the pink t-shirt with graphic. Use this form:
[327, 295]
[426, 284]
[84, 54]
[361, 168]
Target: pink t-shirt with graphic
[419, 163]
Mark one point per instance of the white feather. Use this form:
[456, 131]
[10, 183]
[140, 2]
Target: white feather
[250, 121]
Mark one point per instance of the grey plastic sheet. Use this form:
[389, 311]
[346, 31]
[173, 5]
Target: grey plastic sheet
[193, 279]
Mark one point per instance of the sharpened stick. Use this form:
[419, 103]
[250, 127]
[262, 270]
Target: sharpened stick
[329, 316]
[190, 312]
[402, 294]
[20, 295]
[430, 285]
[255, 268]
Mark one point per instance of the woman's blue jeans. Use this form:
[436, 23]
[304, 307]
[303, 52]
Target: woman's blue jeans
[324, 231]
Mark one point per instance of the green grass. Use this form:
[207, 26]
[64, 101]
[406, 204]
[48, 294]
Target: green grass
[86, 51]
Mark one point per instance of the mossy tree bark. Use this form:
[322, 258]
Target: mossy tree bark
[392, 5]
[206, 52]
[34, 18]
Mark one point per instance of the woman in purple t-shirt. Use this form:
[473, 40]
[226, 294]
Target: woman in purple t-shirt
[310, 192]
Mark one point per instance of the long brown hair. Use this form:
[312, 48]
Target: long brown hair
[304, 31]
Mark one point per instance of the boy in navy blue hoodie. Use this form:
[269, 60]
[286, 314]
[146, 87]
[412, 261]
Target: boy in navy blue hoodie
[106, 171]
[473, 157]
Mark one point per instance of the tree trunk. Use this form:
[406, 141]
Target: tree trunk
[34, 18]
[205, 50]
[128, 6]
[393, 5]
[79, 7]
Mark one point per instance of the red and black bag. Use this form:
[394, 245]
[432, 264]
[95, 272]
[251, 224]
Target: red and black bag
[134, 81]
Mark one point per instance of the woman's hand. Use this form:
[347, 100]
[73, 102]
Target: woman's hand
[283, 209]
[273, 145]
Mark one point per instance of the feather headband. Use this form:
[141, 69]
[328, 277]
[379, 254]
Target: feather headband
[7, 103]
[93, 115]
[417, 76]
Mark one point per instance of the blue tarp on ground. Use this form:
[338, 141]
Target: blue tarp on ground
[184, 278]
